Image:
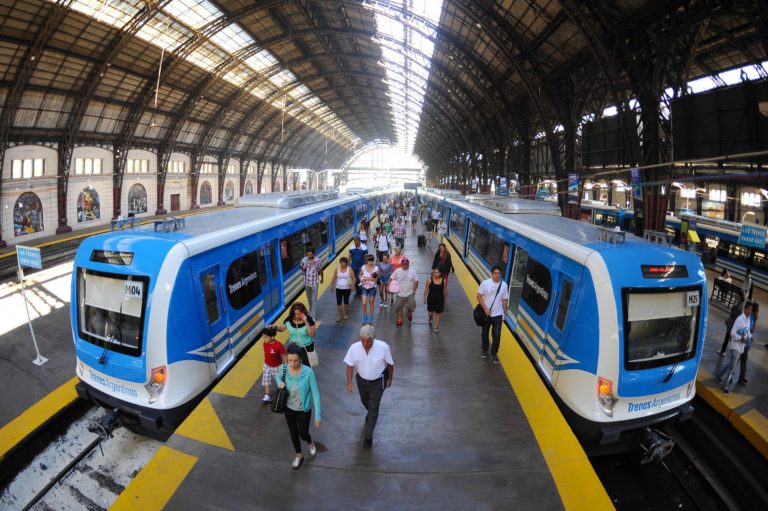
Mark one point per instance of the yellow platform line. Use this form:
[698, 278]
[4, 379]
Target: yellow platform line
[35, 416]
[204, 425]
[752, 425]
[154, 486]
[575, 479]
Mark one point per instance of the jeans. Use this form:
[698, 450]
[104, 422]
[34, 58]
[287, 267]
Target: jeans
[370, 392]
[743, 362]
[298, 425]
[357, 279]
[493, 323]
[311, 299]
[729, 367]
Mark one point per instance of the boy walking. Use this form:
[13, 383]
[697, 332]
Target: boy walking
[274, 356]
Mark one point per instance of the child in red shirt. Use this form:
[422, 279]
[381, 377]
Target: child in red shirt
[274, 356]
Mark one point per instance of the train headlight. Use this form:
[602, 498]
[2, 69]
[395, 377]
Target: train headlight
[156, 383]
[605, 395]
[691, 388]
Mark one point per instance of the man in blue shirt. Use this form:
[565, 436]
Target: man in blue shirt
[356, 261]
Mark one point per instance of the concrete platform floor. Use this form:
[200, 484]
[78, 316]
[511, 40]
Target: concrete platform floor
[451, 432]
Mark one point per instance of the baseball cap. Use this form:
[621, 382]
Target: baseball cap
[405, 261]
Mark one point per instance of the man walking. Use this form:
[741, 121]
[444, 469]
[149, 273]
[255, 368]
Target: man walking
[313, 277]
[372, 359]
[408, 282]
[740, 334]
[493, 296]
[356, 261]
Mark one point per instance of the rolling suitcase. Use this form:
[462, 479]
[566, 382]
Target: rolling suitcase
[421, 241]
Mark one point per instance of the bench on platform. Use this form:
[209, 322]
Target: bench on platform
[725, 293]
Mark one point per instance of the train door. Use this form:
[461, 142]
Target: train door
[216, 314]
[558, 316]
[272, 299]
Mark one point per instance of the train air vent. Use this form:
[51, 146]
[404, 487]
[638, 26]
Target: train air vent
[610, 234]
[514, 205]
[285, 200]
[662, 238]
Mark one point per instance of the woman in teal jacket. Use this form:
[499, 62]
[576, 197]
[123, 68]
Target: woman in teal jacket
[300, 381]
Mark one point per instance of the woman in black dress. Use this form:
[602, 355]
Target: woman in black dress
[435, 296]
[443, 262]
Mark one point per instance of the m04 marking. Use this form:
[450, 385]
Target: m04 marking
[134, 290]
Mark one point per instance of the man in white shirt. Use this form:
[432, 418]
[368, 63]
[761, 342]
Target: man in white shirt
[372, 359]
[493, 296]
[740, 334]
[409, 282]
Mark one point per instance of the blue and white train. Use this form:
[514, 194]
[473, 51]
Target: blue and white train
[159, 314]
[615, 325]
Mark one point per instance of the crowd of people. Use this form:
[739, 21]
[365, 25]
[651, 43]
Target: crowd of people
[375, 266]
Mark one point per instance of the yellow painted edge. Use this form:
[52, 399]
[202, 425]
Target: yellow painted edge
[754, 426]
[573, 474]
[204, 425]
[154, 486]
[35, 416]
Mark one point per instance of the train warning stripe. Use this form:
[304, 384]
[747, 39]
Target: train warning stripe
[35, 416]
[204, 425]
[154, 486]
[243, 375]
[576, 480]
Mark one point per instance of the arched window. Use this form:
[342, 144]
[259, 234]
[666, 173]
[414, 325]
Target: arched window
[88, 207]
[229, 191]
[137, 199]
[248, 188]
[206, 194]
[27, 214]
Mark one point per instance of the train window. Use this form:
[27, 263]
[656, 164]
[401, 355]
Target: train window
[458, 223]
[659, 327]
[343, 221]
[490, 247]
[562, 307]
[208, 281]
[292, 250]
[518, 277]
[318, 234]
[362, 210]
[273, 260]
[110, 310]
[739, 252]
[759, 260]
[537, 286]
[243, 279]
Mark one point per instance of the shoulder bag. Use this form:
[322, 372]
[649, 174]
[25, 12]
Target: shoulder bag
[394, 286]
[280, 400]
[479, 313]
[312, 357]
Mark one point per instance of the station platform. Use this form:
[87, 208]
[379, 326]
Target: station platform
[747, 405]
[454, 432]
[41, 392]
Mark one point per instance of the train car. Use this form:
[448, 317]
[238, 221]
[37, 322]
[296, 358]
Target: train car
[721, 241]
[160, 314]
[614, 325]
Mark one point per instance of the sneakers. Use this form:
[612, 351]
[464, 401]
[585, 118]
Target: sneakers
[743, 381]
[296, 463]
[484, 354]
[496, 360]
[726, 392]
[312, 449]
[410, 316]
[382, 304]
[399, 323]
[266, 399]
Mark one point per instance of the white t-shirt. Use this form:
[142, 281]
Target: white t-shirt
[371, 365]
[383, 243]
[343, 279]
[488, 290]
[407, 280]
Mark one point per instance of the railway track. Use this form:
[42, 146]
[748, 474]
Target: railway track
[77, 468]
[52, 254]
[711, 467]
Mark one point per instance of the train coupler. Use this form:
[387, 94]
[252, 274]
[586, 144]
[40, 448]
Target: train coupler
[656, 445]
[104, 425]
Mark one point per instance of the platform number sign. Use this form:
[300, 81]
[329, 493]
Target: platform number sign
[134, 290]
[693, 299]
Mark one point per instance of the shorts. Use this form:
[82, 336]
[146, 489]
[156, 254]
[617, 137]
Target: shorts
[342, 295]
[400, 301]
[369, 291]
[269, 374]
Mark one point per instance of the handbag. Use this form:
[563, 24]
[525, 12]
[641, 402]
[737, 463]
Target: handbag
[393, 287]
[479, 313]
[312, 357]
[280, 400]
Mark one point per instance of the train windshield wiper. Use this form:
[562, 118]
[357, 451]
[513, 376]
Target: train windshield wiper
[112, 337]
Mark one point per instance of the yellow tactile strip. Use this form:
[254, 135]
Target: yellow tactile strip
[35, 416]
[575, 479]
[752, 424]
[154, 486]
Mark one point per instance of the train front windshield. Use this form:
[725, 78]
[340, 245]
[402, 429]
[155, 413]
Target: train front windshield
[110, 310]
[660, 328]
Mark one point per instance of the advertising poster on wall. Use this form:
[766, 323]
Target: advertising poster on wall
[229, 191]
[88, 207]
[502, 187]
[573, 188]
[475, 184]
[637, 187]
[206, 194]
[27, 214]
[137, 199]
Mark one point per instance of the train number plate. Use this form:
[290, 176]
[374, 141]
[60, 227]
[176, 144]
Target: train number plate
[693, 299]
[134, 290]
